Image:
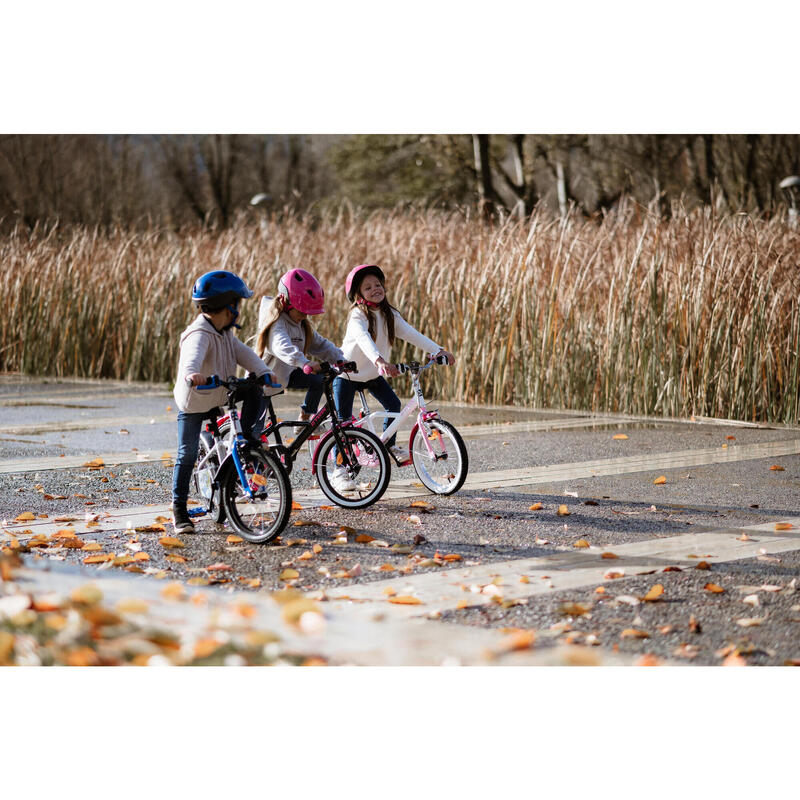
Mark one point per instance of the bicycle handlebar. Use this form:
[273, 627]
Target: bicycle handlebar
[214, 382]
[337, 369]
[412, 366]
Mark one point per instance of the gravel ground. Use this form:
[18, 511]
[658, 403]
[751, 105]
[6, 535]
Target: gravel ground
[687, 624]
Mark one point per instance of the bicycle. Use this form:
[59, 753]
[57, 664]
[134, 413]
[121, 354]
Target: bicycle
[342, 449]
[436, 449]
[237, 479]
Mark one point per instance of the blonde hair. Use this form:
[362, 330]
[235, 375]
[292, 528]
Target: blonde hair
[274, 310]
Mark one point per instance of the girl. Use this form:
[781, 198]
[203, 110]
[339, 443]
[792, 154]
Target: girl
[285, 336]
[372, 327]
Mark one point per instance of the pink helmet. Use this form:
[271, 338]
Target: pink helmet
[357, 274]
[302, 291]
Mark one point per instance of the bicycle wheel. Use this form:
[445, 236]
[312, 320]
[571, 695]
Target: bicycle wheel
[443, 470]
[262, 517]
[357, 477]
[202, 484]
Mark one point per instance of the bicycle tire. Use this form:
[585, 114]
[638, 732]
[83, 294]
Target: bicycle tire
[213, 503]
[371, 474]
[262, 518]
[450, 478]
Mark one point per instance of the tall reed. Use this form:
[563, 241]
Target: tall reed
[697, 314]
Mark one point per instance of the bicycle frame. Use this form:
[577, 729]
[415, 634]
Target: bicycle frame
[328, 411]
[367, 418]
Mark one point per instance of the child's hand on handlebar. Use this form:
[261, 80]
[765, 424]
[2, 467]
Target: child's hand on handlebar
[196, 379]
[312, 367]
[444, 354]
[385, 368]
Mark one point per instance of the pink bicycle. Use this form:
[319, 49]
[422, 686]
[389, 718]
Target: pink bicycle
[435, 447]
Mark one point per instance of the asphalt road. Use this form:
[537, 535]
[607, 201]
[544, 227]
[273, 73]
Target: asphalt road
[479, 526]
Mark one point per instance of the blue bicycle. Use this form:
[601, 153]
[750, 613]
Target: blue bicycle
[234, 478]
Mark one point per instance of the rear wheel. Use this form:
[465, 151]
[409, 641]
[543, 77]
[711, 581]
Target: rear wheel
[443, 468]
[203, 487]
[357, 476]
[263, 516]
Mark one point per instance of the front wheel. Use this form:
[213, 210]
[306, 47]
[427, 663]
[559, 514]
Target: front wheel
[443, 468]
[263, 516]
[356, 476]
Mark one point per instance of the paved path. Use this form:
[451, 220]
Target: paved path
[362, 625]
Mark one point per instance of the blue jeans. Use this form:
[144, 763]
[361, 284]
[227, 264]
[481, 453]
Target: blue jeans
[344, 391]
[189, 427]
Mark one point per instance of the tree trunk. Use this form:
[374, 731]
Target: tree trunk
[480, 142]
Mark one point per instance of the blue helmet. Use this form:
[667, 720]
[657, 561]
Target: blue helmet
[218, 289]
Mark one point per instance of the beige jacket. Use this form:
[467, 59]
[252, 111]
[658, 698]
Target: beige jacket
[208, 351]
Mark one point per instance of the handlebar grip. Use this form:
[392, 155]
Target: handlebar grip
[308, 369]
[212, 383]
[402, 368]
[268, 381]
[440, 359]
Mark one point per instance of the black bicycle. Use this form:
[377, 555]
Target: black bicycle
[238, 479]
[350, 464]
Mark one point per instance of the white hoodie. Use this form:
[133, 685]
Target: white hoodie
[360, 347]
[208, 351]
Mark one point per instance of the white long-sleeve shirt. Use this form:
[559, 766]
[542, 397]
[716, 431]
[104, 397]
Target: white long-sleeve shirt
[360, 347]
[208, 351]
[285, 344]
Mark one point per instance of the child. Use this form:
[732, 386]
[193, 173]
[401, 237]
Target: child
[285, 337]
[372, 327]
[209, 347]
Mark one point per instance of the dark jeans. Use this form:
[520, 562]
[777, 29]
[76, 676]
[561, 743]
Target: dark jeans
[299, 380]
[189, 427]
[344, 391]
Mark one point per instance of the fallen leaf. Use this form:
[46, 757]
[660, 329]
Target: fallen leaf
[783, 526]
[452, 557]
[702, 565]
[299, 523]
[654, 594]
[535, 507]
[749, 622]
[713, 587]
[296, 506]
[173, 591]
[219, 567]
[619, 436]
[660, 480]
[174, 558]
[563, 511]
[25, 516]
[170, 541]
[609, 555]
[364, 538]
[289, 575]
[575, 609]
[405, 600]
[581, 543]
[317, 549]
[777, 468]
[634, 633]
[234, 539]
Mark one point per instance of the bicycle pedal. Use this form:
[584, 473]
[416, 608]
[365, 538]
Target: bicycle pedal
[196, 512]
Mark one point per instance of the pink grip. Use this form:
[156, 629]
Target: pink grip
[307, 369]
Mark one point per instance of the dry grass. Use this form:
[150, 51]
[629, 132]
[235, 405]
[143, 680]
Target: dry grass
[694, 315]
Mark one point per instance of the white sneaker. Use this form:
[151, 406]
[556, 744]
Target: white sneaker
[341, 481]
[398, 453]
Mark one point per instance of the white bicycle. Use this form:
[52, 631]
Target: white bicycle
[435, 447]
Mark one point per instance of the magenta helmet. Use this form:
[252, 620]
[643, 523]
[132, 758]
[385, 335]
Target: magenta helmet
[357, 274]
[302, 291]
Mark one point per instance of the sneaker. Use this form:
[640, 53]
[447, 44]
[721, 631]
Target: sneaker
[398, 453]
[181, 521]
[341, 481]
